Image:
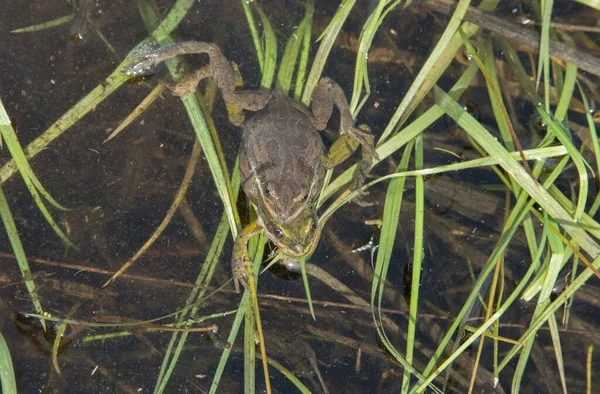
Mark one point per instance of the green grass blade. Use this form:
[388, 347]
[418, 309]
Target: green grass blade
[592, 127]
[418, 256]
[555, 334]
[172, 20]
[544, 55]
[389, 227]
[590, 3]
[371, 26]
[46, 25]
[17, 247]
[300, 39]
[327, 40]
[565, 139]
[432, 70]
[531, 186]
[260, 53]
[290, 56]
[270, 50]
[31, 181]
[7, 373]
[307, 286]
[306, 45]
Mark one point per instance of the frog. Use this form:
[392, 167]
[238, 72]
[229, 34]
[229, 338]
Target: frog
[283, 159]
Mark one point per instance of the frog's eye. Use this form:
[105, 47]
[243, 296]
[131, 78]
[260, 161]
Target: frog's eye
[313, 225]
[267, 191]
[278, 233]
[305, 197]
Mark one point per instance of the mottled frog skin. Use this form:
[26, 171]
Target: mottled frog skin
[283, 159]
[280, 159]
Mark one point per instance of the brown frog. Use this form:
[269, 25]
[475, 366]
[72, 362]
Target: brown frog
[283, 159]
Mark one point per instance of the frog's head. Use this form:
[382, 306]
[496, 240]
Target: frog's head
[294, 238]
[284, 202]
[285, 196]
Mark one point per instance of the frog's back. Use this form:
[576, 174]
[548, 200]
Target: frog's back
[281, 136]
[282, 150]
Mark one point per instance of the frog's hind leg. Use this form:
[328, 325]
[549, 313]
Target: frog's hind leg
[219, 68]
[327, 94]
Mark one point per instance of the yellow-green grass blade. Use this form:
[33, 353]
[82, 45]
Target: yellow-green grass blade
[288, 61]
[327, 40]
[260, 53]
[371, 26]
[14, 147]
[391, 214]
[15, 242]
[590, 3]
[530, 185]
[249, 350]
[552, 271]
[290, 376]
[592, 127]
[7, 372]
[307, 286]
[296, 41]
[306, 44]
[418, 256]
[33, 185]
[566, 93]
[45, 25]
[555, 334]
[245, 306]
[222, 183]
[432, 70]
[270, 50]
[544, 54]
[564, 137]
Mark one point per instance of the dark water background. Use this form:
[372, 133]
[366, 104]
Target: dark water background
[121, 190]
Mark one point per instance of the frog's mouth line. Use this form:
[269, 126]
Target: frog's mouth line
[297, 247]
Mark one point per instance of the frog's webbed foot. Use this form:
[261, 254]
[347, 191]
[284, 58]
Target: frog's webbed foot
[240, 265]
[241, 270]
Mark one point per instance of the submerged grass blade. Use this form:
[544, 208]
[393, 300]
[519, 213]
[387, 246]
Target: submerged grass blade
[7, 372]
[35, 187]
[185, 183]
[17, 247]
[45, 25]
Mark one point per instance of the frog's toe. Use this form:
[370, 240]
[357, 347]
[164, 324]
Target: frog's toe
[363, 135]
[359, 200]
[241, 272]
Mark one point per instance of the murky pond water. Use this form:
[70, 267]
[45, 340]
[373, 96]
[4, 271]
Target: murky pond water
[118, 193]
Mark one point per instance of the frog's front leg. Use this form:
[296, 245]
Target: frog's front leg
[219, 69]
[241, 265]
[327, 94]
